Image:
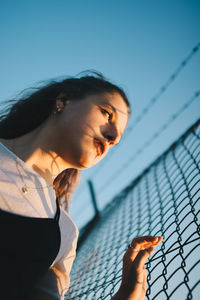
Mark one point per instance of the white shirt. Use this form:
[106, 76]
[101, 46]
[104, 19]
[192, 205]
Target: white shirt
[39, 201]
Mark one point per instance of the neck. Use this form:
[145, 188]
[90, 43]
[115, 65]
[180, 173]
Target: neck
[33, 150]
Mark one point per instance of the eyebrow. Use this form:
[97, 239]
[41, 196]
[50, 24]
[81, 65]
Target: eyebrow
[108, 104]
[113, 108]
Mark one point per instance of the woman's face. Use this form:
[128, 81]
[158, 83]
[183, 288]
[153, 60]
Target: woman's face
[86, 129]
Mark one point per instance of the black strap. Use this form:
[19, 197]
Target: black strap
[57, 215]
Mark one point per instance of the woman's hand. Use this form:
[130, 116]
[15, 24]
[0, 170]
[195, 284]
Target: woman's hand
[133, 285]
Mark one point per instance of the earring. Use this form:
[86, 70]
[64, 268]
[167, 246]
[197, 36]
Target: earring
[60, 106]
[58, 109]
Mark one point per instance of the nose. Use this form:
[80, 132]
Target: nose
[111, 134]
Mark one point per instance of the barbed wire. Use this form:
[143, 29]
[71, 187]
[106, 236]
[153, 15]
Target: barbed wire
[151, 103]
[144, 111]
[148, 143]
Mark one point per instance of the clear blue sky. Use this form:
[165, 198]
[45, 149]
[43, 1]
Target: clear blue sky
[136, 44]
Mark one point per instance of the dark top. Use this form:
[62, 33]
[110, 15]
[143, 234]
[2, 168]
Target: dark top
[28, 247]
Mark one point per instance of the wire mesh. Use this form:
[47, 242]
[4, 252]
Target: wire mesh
[151, 102]
[163, 200]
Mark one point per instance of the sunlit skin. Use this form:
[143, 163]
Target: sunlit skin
[70, 139]
[66, 139]
[97, 116]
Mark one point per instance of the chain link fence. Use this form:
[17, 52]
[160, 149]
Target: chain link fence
[163, 200]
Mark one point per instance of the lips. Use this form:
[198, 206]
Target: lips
[100, 146]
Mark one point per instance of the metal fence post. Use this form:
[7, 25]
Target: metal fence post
[93, 197]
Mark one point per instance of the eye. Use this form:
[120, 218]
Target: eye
[106, 112]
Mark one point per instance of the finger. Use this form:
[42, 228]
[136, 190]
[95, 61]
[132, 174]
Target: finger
[144, 242]
[147, 239]
[139, 267]
[142, 257]
[131, 254]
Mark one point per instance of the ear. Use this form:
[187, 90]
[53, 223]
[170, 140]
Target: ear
[59, 104]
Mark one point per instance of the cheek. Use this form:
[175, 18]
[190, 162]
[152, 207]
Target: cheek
[73, 137]
[86, 124]
[77, 127]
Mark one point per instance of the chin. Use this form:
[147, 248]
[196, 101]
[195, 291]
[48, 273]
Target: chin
[82, 164]
[87, 163]
[85, 159]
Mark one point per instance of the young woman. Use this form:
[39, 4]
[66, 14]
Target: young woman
[47, 137]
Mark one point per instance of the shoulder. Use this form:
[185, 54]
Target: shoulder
[14, 176]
